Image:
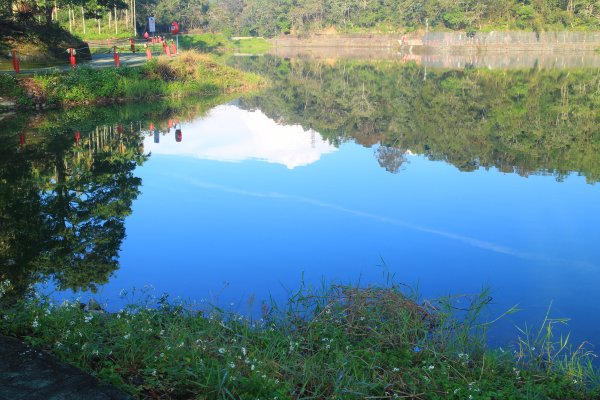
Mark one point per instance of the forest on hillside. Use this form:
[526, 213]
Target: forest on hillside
[274, 17]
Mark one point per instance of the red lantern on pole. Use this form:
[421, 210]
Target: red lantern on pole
[77, 137]
[116, 57]
[16, 65]
[166, 49]
[132, 45]
[173, 48]
[148, 52]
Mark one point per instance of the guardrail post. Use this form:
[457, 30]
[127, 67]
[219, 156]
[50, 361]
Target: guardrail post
[16, 65]
[166, 49]
[72, 59]
[116, 57]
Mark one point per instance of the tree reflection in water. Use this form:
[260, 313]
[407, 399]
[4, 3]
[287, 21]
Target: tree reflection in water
[62, 205]
[525, 121]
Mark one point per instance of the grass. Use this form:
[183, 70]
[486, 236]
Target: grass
[336, 342]
[251, 46]
[190, 73]
[217, 42]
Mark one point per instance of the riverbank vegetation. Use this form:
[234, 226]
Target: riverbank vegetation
[189, 73]
[340, 342]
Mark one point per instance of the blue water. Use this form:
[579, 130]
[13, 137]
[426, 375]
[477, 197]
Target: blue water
[245, 206]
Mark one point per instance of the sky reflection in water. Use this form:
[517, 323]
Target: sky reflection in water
[245, 206]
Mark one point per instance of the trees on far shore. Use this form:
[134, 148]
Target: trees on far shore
[273, 17]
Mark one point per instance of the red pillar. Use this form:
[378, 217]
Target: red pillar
[116, 57]
[72, 59]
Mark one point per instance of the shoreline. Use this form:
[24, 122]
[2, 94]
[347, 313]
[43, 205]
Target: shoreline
[381, 340]
[190, 73]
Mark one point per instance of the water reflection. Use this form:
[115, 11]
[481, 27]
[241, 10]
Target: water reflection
[231, 134]
[63, 203]
[436, 58]
[526, 121]
[384, 154]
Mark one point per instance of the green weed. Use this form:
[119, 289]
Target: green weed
[332, 342]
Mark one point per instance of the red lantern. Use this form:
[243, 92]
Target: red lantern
[77, 137]
[146, 35]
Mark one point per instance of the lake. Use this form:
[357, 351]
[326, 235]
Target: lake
[449, 179]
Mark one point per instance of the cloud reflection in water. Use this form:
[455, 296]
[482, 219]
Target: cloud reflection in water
[231, 134]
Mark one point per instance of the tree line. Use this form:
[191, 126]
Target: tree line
[274, 17]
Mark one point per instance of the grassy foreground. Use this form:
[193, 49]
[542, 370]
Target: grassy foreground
[189, 73]
[339, 342]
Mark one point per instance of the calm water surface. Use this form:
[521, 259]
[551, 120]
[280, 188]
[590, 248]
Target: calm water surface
[340, 173]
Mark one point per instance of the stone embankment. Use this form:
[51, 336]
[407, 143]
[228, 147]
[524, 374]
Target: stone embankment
[487, 41]
[453, 49]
